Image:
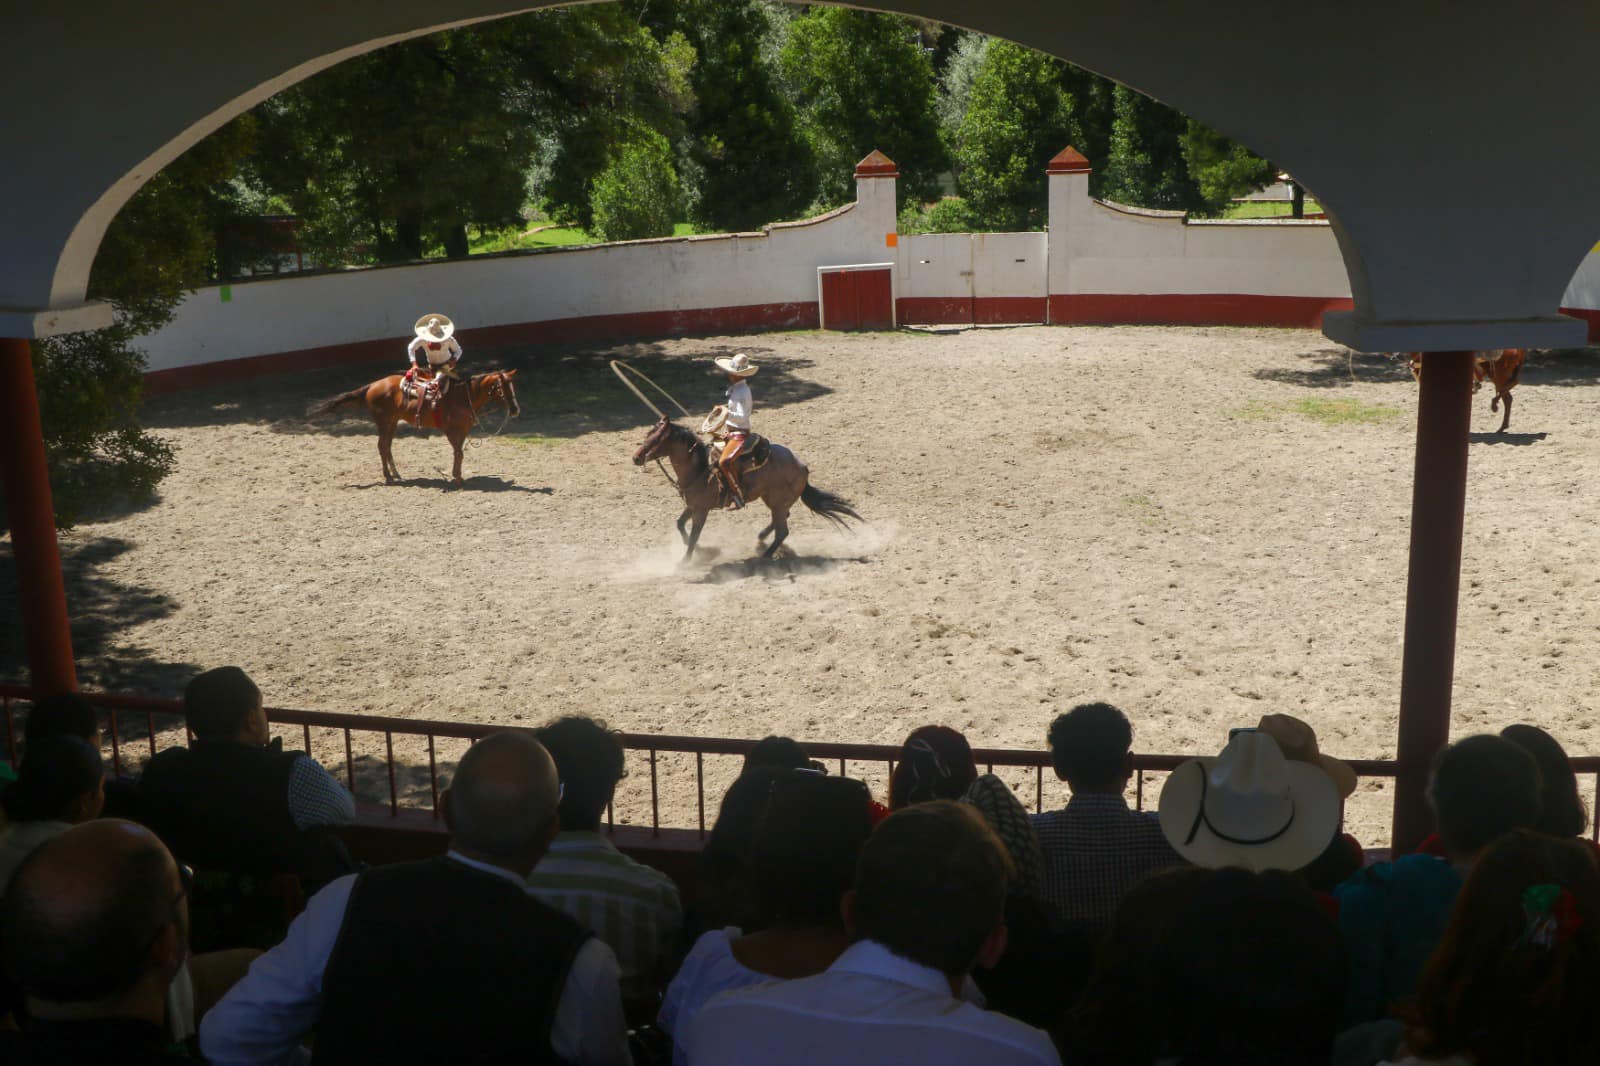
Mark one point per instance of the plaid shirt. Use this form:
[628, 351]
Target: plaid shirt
[632, 908]
[1094, 849]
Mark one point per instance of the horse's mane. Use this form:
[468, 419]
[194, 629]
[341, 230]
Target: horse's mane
[697, 447]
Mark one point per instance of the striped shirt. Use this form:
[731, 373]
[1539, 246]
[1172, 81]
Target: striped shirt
[632, 908]
[1094, 849]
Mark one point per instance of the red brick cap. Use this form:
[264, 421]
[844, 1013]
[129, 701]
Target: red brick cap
[1068, 161]
[877, 165]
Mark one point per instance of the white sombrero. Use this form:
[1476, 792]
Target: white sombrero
[435, 327]
[1249, 807]
[739, 364]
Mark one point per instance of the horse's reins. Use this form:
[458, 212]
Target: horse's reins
[617, 367]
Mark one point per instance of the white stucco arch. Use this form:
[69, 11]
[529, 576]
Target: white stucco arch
[1450, 240]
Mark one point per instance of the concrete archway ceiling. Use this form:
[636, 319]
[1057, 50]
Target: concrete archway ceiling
[1447, 141]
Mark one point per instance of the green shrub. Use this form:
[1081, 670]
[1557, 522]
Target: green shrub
[637, 195]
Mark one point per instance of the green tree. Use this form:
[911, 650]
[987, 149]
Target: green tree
[746, 163]
[1222, 168]
[161, 243]
[1145, 166]
[637, 195]
[1019, 113]
[862, 80]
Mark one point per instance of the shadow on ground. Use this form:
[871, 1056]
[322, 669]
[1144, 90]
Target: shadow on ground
[475, 483]
[1334, 368]
[564, 390]
[782, 567]
[103, 610]
[1515, 440]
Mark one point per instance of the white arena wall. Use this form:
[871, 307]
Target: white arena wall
[1096, 263]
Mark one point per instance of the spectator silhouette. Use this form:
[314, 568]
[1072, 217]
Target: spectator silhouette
[61, 783]
[935, 763]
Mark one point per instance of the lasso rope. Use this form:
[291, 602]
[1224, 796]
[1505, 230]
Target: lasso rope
[617, 367]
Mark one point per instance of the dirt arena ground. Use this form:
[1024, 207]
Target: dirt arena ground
[1200, 525]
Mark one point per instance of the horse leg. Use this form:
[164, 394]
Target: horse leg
[455, 472]
[694, 534]
[761, 537]
[1505, 422]
[683, 520]
[391, 473]
[780, 523]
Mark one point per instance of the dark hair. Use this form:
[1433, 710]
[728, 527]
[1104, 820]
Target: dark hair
[1089, 745]
[931, 885]
[1482, 788]
[590, 760]
[1249, 970]
[219, 702]
[502, 798]
[88, 956]
[724, 887]
[65, 714]
[935, 763]
[782, 752]
[803, 857]
[1110, 1024]
[1497, 991]
[55, 773]
[1561, 808]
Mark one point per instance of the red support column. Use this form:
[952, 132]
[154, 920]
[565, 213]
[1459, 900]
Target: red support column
[1438, 507]
[33, 528]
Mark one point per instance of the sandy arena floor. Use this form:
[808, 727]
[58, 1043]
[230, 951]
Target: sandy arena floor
[1200, 525]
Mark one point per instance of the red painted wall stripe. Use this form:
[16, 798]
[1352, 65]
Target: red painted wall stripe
[1588, 314]
[1193, 309]
[934, 310]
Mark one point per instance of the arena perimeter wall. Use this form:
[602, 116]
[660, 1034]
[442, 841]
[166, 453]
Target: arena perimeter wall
[1097, 263]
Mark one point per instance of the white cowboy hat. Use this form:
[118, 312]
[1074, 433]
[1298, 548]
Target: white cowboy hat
[739, 364]
[1249, 807]
[1298, 742]
[435, 327]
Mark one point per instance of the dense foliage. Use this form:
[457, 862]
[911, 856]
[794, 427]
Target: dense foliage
[637, 194]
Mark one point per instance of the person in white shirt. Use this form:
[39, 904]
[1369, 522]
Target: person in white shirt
[434, 353]
[928, 904]
[731, 421]
[448, 960]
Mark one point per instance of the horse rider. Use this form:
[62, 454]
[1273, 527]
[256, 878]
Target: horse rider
[434, 354]
[730, 421]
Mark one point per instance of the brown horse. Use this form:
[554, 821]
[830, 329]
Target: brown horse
[457, 411]
[779, 482]
[1500, 366]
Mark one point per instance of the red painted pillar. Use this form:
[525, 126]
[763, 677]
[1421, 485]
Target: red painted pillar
[1438, 507]
[33, 527]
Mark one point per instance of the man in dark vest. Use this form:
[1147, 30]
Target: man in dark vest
[445, 960]
[235, 800]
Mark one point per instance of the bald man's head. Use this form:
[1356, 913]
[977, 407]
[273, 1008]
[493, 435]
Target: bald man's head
[502, 803]
[84, 916]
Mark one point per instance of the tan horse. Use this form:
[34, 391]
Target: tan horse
[1501, 366]
[457, 411]
[778, 483]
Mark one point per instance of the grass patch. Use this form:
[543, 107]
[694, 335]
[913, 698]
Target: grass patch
[1328, 412]
[546, 236]
[1267, 209]
[531, 440]
[1146, 511]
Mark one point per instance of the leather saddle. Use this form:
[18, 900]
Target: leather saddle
[754, 455]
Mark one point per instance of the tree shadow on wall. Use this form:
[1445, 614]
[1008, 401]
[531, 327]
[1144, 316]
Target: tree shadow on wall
[103, 611]
[564, 390]
[1334, 368]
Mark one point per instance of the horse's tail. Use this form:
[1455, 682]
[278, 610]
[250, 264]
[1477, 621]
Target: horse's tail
[344, 399]
[835, 509]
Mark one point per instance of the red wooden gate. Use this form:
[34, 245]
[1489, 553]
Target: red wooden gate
[858, 296]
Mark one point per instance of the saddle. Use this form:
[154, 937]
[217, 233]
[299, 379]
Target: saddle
[755, 454]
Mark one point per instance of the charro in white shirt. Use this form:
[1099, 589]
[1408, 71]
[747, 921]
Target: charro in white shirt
[263, 1018]
[448, 351]
[870, 1007]
[740, 404]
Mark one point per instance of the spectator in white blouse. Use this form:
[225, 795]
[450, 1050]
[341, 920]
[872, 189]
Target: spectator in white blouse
[802, 862]
[928, 904]
[445, 960]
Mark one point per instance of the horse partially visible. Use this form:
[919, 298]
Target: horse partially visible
[778, 483]
[1502, 366]
[456, 412]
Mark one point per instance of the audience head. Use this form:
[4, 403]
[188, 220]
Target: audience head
[224, 704]
[1517, 974]
[803, 857]
[785, 753]
[1561, 812]
[1091, 746]
[1298, 742]
[501, 806]
[65, 714]
[935, 763]
[61, 780]
[1250, 970]
[931, 887]
[590, 760]
[1482, 788]
[1009, 819]
[96, 921]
